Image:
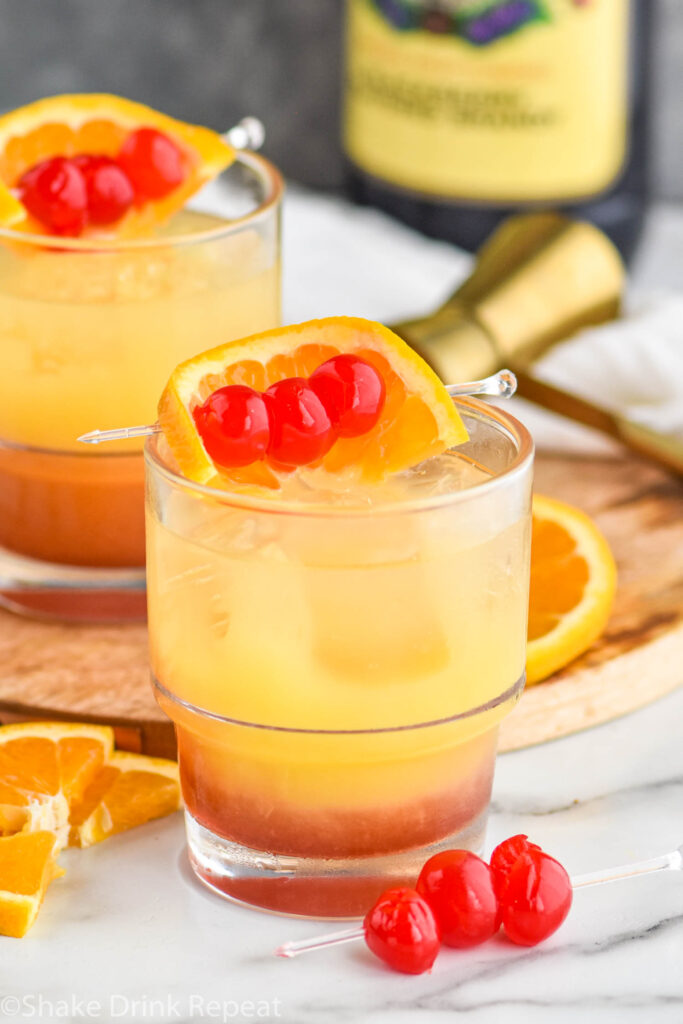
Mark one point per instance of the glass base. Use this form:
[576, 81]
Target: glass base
[308, 886]
[68, 593]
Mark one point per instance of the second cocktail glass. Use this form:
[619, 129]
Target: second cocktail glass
[88, 335]
[337, 671]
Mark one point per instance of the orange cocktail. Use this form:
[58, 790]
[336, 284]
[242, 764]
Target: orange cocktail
[337, 663]
[89, 331]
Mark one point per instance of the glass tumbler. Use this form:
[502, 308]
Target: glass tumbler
[89, 333]
[337, 675]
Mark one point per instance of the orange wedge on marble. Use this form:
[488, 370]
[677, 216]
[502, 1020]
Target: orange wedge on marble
[27, 866]
[573, 583]
[45, 767]
[99, 123]
[130, 790]
[64, 783]
[419, 418]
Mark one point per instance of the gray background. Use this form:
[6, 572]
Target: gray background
[213, 61]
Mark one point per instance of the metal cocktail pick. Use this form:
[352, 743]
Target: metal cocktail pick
[500, 385]
[667, 862]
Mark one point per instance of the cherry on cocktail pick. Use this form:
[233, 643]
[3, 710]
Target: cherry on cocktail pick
[459, 888]
[234, 426]
[666, 862]
[67, 193]
[499, 385]
[352, 391]
[402, 930]
[536, 898]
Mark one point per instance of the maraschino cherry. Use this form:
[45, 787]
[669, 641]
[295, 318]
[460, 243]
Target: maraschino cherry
[153, 162]
[300, 428]
[401, 929]
[459, 888]
[108, 188]
[234, 426]
[54, 192]
[352, 391]
[536, 899]
[504, 858]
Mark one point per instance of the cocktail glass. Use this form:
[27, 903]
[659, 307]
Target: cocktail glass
[89, 333]
[337, 672]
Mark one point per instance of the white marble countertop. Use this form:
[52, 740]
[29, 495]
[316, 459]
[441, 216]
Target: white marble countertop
[129, 928]
[129, 935]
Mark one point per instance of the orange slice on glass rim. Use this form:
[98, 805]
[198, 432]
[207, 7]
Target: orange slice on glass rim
[573, 583]
[98, 123]
[418, 419]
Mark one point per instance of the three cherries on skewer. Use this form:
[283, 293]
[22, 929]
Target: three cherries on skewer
[295, 421]
[66, 194]
[461, 901]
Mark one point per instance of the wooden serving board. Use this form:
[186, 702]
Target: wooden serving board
[99, 674]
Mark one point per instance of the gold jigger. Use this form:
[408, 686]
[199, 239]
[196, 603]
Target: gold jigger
[538, 279]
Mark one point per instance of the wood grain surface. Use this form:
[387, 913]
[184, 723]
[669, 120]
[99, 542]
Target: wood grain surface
[640, 656]
[100, 674]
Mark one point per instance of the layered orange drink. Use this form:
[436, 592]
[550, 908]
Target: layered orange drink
[128, 242]
[337, 618]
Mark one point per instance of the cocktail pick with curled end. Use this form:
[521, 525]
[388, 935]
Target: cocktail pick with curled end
[499, 385]
[666, 862]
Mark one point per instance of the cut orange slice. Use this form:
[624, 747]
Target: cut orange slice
[418, 420]
[130, 790]
[573, 583]
[99, 123]
[27, 866]
[68, 779]
[44, 768]
[64, 783]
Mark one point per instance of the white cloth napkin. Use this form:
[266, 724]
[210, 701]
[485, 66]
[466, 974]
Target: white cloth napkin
[633, 365]
[342, 259]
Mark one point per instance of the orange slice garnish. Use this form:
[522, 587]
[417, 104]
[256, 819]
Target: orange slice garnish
[99, 123]
[573, 583]
[418, 420]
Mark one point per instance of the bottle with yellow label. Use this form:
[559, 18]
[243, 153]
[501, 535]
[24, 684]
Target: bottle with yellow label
[460, 112]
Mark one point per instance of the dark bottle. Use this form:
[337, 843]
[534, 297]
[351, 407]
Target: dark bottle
[461, 112]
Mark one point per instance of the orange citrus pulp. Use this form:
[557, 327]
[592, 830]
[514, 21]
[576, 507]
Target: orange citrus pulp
[418, 420]
[99, 123]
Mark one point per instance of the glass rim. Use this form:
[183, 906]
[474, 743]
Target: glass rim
[503, 421]
[267, 172]
[512, 693]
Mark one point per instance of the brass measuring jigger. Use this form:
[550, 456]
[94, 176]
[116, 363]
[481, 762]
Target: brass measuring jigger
[539, 279]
